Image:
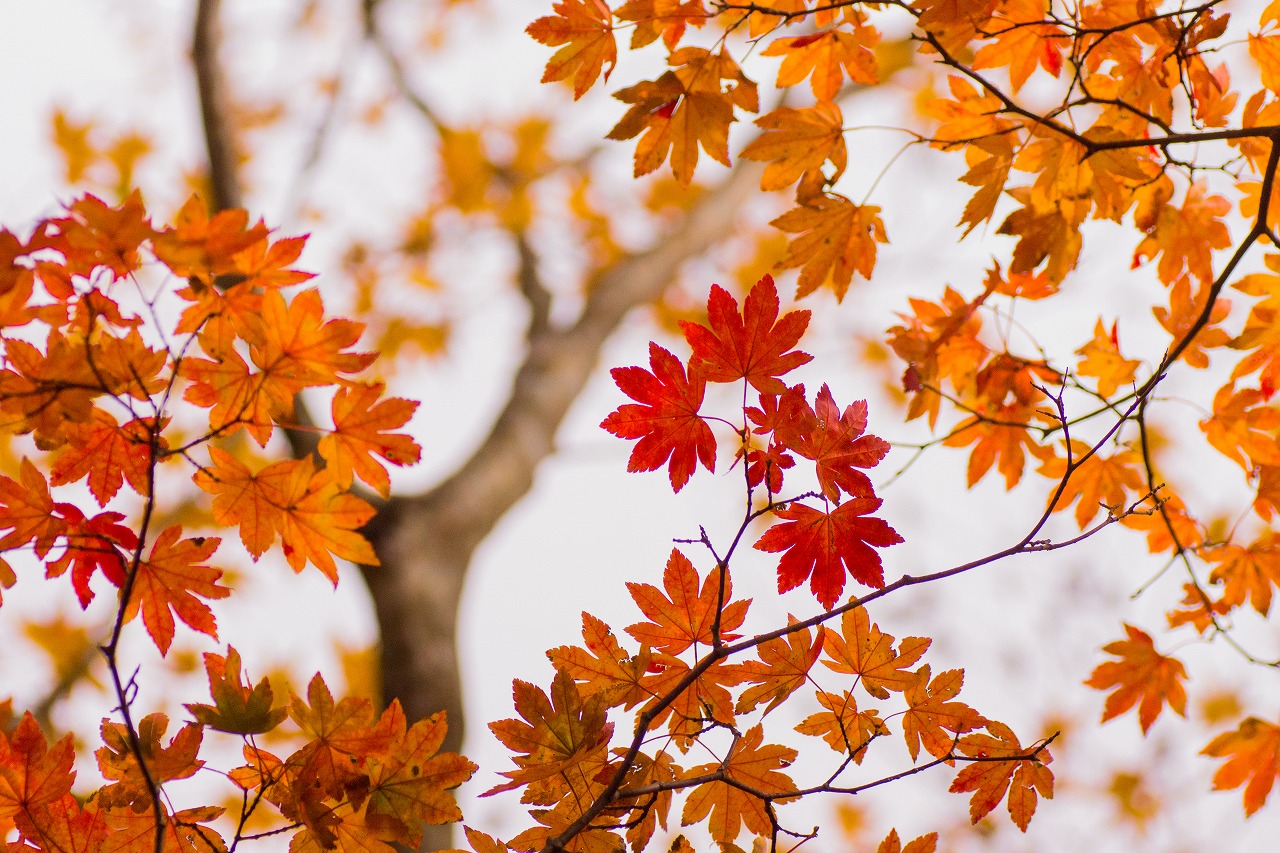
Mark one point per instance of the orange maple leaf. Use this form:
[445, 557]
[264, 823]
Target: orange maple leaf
[862, 649]
[1186, 237]
[109, 455]
[796, 141]
[1243, 426]
[603, 666]
[301, 349]
[1100, 481]
[32, 774]
[836, 239]
[1022, 39]
[989, 780]
[410, 786]
[1253, 760]
[826, 58]
[1247, 573]
[684, 108]
[931, 715]
[751, 763]
[555, 734]
[923, 844]
[1102, 360]
[782, 669]
[170, 579]
[666, 18]
[680, 615]
[240, 497]
[237, 708]
[585, 28]
[843, 726]
[118, 759]
[1141, 677]
[361, 419]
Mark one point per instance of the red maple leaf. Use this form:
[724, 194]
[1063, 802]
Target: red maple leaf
[752, 345]
[822, 545]
[666, 418]
[832, 439]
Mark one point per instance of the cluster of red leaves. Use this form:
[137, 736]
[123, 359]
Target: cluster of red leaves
[822, 544]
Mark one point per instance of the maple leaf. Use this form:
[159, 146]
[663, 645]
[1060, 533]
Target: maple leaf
[252, 501]
[232, 394]
[796, 141]
[989, 780]
[603, 667]
[320, 521]
[411, 785]
[826, 58]
[843, 726]
[752, 763]
[265, 266]
[862, 649]
[1102, 359]
[95, 234]
[118, 759]
[171, 579]
[1184, 312]
[1099, 481]
[836, 239]
[680, 615]
[666, 18]
[556, 734]
[1253, 760]
[833, 439]
[931, 714]
[109, 455]
[32, 774]
[704, 696]
[752, 345]
[649, 812]
[665, 418]
[684, 108]
[1186, 237]
[203, 248]
[360, 421]
[1242, 427]
[236, 708]
[821, 546]
[28, 508]
[1141, 677]
[300, 348]
[1248, 573]
[585, 28]
[94, 544]
[1021, 42]
[783, 667]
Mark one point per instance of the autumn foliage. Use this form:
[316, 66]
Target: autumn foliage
[139, 354]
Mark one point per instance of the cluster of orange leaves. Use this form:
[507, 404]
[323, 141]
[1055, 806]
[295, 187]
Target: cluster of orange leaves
[1135, 81]
[110, 394]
